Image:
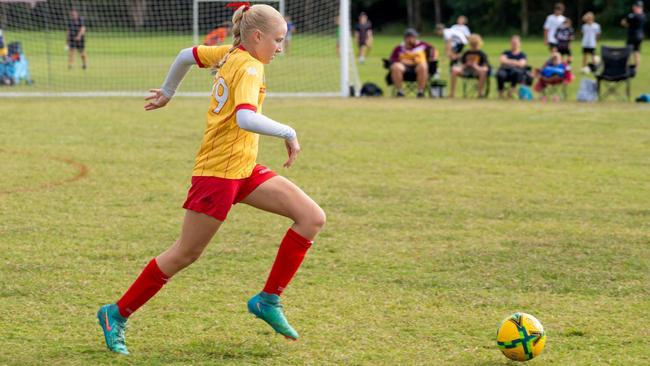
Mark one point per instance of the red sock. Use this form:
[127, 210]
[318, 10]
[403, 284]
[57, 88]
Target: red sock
[150, 281]
[290, 255]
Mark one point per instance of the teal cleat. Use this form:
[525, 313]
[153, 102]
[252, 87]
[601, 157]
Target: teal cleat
[113, 325]
[267, 307]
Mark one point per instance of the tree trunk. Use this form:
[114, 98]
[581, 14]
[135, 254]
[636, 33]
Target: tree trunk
[3, 16]
[437, 7]
[524, 17]
[308, 13]
[137, 10]
[578, 17]
[414, 14]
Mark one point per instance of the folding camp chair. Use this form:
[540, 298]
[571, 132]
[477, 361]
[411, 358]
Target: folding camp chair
[555, 88]
[470, 84]
[615, 72]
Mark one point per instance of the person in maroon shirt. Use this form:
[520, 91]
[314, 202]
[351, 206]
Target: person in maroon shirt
[411, 57]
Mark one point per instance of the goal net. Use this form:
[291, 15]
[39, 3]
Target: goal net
[128, 46]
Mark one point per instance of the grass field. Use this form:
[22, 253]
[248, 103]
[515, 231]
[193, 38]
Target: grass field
[136, 62]
[440, 224]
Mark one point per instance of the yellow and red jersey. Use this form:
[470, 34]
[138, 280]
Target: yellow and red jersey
[411, 56]
[227, 151]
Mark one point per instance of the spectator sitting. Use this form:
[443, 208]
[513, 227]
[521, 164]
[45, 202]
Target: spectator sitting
[513, 67]
[461, 25]
[564, 36]
[474, 62]
[555, 71]
[455, 41]
[218, 35]
[412, 56]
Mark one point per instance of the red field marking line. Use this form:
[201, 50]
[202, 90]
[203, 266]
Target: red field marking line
[82, 172]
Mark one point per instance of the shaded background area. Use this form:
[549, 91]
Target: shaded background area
[495, 17]
[486, 16]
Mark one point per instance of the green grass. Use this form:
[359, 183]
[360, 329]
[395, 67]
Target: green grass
[137, 62]
[440, 224]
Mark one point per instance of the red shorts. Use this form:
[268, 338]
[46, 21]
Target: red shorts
[215, 196]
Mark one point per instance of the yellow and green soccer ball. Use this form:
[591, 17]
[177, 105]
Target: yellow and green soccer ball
[521, 337]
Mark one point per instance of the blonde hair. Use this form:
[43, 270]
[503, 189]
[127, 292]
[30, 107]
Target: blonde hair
[246, 20]
[475, 40]
[587, 17]
[556, 56]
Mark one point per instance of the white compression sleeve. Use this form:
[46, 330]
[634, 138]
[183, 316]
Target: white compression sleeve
[254, 122]
[177, 72]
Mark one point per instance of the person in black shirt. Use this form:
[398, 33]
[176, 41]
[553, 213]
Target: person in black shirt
[564, 35]
[363, 36]
[634, 22]
[474, 62]
[76, 39]
[512, 69]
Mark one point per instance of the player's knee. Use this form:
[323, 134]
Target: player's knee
[185, 257]
[318, 218]
[312, 221]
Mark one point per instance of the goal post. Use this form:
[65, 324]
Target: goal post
[130, 45]
[346, 50]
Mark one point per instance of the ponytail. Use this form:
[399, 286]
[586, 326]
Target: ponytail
[236, 35]
[245, 19]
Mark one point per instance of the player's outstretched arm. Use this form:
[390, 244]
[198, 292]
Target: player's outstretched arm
[181, 66]
[255, 122]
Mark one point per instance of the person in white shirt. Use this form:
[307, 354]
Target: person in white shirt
[552, 23]
[461, 25]
[590, 37]
[455, 41]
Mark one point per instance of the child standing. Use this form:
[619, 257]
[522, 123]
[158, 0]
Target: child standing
[564, 35]
[363, 36]
[291, 27]
[590, 37]
[225, 172]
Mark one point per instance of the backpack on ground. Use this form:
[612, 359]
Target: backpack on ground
[588, 91]
[371, 90]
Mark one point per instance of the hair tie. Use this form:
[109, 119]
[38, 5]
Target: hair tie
[237, 5]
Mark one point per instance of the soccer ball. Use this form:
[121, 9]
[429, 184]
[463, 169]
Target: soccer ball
[521, 337]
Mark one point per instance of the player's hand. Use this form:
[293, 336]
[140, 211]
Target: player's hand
[293, 148]
[156, 100]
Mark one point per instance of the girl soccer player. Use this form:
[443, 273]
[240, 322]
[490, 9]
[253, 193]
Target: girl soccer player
[225, 172]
